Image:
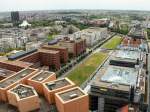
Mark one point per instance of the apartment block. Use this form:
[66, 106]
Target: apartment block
[74, 100]
[63, 51]
[52, 87]
[92, 35]
[43, 57]
[18, 78]
[38, 79]
[24, 97]
[75, 46]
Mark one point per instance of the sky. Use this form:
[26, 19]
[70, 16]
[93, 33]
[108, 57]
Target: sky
[26, 5]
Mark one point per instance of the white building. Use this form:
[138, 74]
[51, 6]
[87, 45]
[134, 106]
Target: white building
[33, 45]
[92, 35]
[25, 24]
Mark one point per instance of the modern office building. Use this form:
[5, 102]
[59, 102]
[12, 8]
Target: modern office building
[24, 98]
[52, 87]
[127, 58]
[114, 87]
[74, 100]
[38, 79]
[15, 16]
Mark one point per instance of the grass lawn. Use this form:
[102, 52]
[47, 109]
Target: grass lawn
[84, 70]
[112, 43]
[50, 37]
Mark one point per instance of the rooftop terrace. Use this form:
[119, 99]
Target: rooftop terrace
[57, 84]
[5, 72]
[23, 91]
[71, 94]
[15, 77]
[42, 75]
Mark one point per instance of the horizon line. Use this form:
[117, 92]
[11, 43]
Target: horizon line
[34, 10]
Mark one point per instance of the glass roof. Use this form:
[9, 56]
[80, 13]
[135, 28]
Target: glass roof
[120, 75]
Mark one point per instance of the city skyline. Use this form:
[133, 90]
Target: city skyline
[26, 5]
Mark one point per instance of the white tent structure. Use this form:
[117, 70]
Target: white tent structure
[25, 24]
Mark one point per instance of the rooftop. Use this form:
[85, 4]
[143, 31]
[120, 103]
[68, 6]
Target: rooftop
[5, 72]
[15, 78]
[48, 51]
[54, 46]
[136, 32]
[71, 94]
[23, 91]
[116, 77]
[42, 75]
[120, 75]
[94, 29]
[134, 55]
[57, 84]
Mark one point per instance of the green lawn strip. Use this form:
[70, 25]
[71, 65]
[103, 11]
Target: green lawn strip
[112, 43]
[50, 37]
[81, 73]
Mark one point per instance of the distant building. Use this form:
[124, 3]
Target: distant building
[33, 45]
[15, 17]
[92, 35]
[100, 22]
[25, 24]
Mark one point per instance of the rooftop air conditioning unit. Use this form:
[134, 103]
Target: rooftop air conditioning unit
[73, 96]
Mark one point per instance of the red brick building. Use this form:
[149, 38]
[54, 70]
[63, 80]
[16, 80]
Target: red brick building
[43, 57]
[134, 42]
[75, 47]
[63, 51]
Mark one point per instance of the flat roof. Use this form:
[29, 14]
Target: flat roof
[48, 51]
[5, 72]
[20, 63]
[71, 94]
[126, 54]
[53, 46]
[91, 29]
[23, 91]
[115, 77]
[42, 75]
[120, 75]
[57, 84]
[15, 77]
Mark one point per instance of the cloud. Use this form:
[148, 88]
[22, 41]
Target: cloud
[8, 5]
